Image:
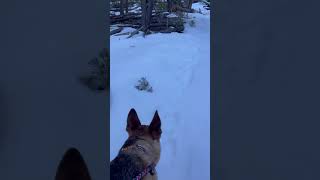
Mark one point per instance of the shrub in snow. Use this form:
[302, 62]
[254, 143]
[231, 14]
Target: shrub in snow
[98, 77]
[192, 23]
[177, 21]
[143, 85]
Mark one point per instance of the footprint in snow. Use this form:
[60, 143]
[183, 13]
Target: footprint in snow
[185, 74]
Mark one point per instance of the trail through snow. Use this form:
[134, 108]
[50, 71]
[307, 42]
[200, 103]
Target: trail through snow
[177, 66]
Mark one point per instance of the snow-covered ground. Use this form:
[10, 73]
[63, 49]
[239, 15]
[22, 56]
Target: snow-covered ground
[177, 66]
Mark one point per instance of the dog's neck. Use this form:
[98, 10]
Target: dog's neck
[143, 149]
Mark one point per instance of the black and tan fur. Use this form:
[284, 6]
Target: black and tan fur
[141, 149]
[72, 167]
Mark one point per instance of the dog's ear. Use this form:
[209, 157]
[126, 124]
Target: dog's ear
[155, 126]
[133, 121]
[72, 167]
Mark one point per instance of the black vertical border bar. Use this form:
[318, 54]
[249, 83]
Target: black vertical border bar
[108, 91]
[265, 90]
[28, 32]
[212, 86]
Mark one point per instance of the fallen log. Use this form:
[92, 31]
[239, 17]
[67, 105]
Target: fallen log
[115, 31]
[205, 2]
[123, 18]
[160, 22]
[135, 32]
[169, 30]
[128, 25]
[121, 34]
[182, 9]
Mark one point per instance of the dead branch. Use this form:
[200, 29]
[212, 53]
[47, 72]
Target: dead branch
[205, 2]
[135, 32]
[121, 34]
[115, 31]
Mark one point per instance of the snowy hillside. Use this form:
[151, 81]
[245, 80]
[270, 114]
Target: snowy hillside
[177, 66]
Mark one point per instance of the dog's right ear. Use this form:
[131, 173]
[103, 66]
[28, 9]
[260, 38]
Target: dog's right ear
[133, 121]
[155, 126]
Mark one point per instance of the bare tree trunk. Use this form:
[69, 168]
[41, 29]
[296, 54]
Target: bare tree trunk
[121, 7]
[169, 5]
[189, 5]
[144, 12]
[126, 6]
[149, 12]
[147, 7]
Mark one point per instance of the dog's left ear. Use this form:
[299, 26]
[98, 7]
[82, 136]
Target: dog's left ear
[155, 126]
[133, 122]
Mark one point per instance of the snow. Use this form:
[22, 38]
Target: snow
[177, 66]
[172, 15]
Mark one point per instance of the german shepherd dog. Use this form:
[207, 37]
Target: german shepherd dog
[136, 159]
[140, 153]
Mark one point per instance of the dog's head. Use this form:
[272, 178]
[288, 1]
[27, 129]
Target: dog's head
[147, 137]
[150, 132]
